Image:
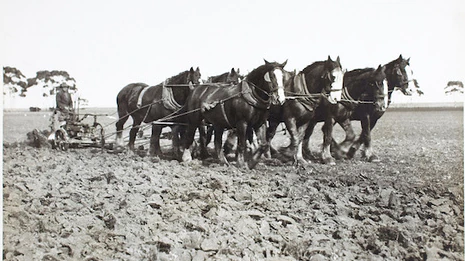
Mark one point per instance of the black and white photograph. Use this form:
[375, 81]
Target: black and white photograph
[232, 130]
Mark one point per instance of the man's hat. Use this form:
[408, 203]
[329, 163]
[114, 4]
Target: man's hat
[63, 85]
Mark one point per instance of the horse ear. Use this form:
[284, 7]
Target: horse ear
[197, 70]
[237, 71]
[329, 58]
[284, 63]
[233, 71]
[408, 60]
[400, 57]
[191, 69]
[338, 60]
[380, 68]
[266, 62]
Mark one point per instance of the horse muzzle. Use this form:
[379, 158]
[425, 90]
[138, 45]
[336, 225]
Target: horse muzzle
[335, 96]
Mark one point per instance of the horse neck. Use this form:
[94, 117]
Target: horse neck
[219, 78]
[298, 84]
[258, 83]
[355, 89]
[359, 85]
[314, 77]
[181, 78]
[181, 92]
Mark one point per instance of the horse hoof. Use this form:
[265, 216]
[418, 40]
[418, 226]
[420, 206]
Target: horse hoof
[329, 161]
[351, 153]
[251, 164]
[186, 156]
[374, 159]
[300, 163]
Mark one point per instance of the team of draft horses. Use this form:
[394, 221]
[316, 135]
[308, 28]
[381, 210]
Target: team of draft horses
[254, 107]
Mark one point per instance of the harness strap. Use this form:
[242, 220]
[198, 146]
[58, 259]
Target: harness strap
[253, 100]
[141, 95]
[307, 100]
[224, 114]
[346, 95]
[168, 98]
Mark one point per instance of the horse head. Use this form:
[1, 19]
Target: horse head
[333, 76]
[400, 76]
[275, 77]
[379, 86]
[268, 78]
[233, 77]
[193, 77]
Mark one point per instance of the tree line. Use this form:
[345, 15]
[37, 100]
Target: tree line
[15, 82]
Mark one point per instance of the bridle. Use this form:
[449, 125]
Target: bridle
[327, 77]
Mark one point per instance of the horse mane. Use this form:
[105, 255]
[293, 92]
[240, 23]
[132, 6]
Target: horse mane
[180, 78]
[391, 63]
[313, 66]
[131, 85]
[359, 72]
[215, 78]
[257, 72]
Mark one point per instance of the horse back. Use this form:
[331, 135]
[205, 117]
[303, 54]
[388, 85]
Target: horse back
[125, 97]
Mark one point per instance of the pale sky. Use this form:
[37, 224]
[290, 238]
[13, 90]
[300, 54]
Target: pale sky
[106, 45]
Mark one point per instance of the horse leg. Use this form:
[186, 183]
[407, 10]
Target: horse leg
[204, 141]
[251, 145]
[295, 147]
[188, 139]
[327, 137]
[263, 145]
[177, 132]
[369, 154]
[241, 131]
[155, 149]
[307, 154]
[230, 142]
[120, 125]
[344, 146]
[365, 123]
[133, 133]
[218, 140]
[270, 133]
[209, 134]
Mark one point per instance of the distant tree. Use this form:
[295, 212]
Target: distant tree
[49, 80]
[13, 81]
[454, 87]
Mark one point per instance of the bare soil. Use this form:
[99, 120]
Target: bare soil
[88, 204]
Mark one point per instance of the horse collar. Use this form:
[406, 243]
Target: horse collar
[252, 98]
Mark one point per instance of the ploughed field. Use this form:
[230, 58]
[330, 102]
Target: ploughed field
[88, 204]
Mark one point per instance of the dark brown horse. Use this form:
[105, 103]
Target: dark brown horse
[399, 77]
[312, 93]
[229, 78]
[363, 88]
[240, 106]
[148, 104]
